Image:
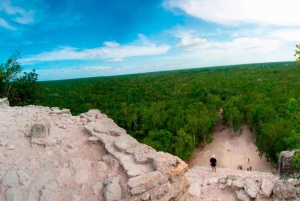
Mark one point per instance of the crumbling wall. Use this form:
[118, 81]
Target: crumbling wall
[151, 175]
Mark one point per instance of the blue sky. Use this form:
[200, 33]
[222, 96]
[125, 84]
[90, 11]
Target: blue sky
[75, 38]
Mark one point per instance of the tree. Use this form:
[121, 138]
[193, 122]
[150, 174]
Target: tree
[19, 89]
[297, 53]
[8, 74]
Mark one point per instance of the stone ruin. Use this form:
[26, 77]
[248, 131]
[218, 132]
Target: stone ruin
[4, 102]
[285, 164]
[47, 154]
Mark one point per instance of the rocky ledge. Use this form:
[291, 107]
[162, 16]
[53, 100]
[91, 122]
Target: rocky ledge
[47, 154]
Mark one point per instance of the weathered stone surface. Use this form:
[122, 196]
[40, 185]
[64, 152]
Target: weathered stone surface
[170, 165]
[143, 183]
[47, 195]
[31, 197]
[42, 177]
[238, 183]
[179, 186]
[267, 188]
[10, 179]
[108, 126]
[4, 102]
[251, 187]
[81, 176]
[284, 190]
[241, 195]
[24, 178]
[144, 154]
[64, 178]
[285, 166]
[97, 187]
[112, 190]
[93, 139]
[13, 194]
[126, 143]
[3, 142]
[195, 190]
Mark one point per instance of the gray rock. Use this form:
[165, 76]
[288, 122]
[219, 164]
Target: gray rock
[112, 191]
[284, 190]
[40, 130]
[251, 187]
[241, 195]
[285, 164]
[10, 179]
[4, 102]
[266, 188]
[13, 194]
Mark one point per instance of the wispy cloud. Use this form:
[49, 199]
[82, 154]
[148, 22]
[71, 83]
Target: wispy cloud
[110, 50]
[17, 14]
[3, 23]
[231, 12]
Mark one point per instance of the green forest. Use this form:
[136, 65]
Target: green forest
[174, 111]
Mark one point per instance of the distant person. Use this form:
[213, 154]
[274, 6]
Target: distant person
[250, 168]
[213, 163]
[248, 160]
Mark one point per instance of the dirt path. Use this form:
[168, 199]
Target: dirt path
[231, 150]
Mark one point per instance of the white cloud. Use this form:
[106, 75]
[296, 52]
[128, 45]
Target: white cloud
[289, 35]
[232, 12]
[189, 39]
[116, 60]
[18, 14]
[3, 23]
[189, 43]
[111, 44]
[110, 51]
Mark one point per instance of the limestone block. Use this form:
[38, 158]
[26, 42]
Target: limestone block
[143, 153]
[170, 165]
[267, 188]
[284, 190]
[108, 126]
[143, 183]
[251, 187]
[40, 130]
[126, 143]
